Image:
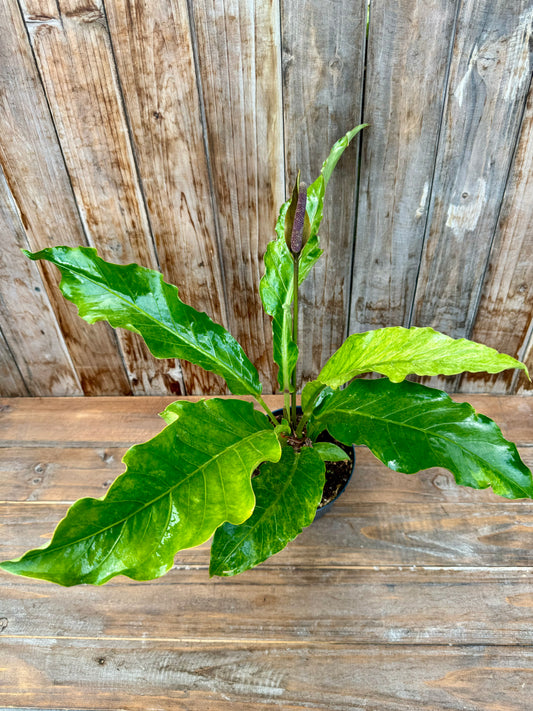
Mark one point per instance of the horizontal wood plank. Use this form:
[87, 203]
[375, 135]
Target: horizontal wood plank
[64, 474]
[78, 421]
[64, 673]
[124, 421]
[315, 605]
[412, 593]
[443, 534]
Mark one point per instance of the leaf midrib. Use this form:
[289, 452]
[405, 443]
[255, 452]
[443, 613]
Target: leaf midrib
[279, 494]
[425, 432]
[147, 504]
[132, 304]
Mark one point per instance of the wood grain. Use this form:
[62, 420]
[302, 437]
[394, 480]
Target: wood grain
[488, 85]
[158, 132]
[72, 422]
[322, 99]
[524, 388]
[11, 380]
[452, 534]
[238, 49]
[273, 604]
[116, 421]
[154, 55]
[186, 676]
[30, 327]
[74, 57]
[503, 319]
[403, 104]
[39, 184]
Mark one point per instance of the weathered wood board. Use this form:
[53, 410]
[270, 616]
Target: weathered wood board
[404, 110]
[41, 192]
[13, 383]
[489, 80]
[154, 56]
[323, 66]
[238, 50]
[31, 330]
[75, 60]
[487, 89]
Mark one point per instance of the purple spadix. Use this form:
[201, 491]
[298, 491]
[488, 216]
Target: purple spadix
[297, 226]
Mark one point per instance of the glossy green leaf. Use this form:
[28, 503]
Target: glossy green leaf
[177, 489]
[316, 191]
[312, 394]
[396, 352]
[136, 298]
[277, 287]
[287, 495]
[410, 427]
[277, 293]
[329, 452]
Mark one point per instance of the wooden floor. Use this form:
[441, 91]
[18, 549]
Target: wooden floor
[411, 594]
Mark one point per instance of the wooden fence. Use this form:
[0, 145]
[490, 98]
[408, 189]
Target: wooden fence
[168, 133]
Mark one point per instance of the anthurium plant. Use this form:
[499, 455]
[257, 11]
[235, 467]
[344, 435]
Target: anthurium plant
[224, 468]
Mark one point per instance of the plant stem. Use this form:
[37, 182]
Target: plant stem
[287, 405]
[266, 409]
[308, 412]
[296, 263]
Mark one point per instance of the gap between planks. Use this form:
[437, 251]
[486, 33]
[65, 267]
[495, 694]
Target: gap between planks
[288, 643]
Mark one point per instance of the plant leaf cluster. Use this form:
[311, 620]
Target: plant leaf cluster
[221, 467]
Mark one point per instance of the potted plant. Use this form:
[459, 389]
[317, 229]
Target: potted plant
[222, 467]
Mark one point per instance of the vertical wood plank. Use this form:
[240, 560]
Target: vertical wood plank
[505, 315]
[408, 48]
[238, 47]
[323, 65]
[523, 386]
[29, 324]
[11, 381]
[489, 80]
[74, 56]
[154, 55]
[35, 172]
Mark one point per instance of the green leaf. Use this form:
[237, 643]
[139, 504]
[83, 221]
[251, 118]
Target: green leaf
[277, 292]
[287, 495]
[316, 191]
[277, 287]
[171, 412]
[136, 298]
[396, 352]
[177, 489]
[410, 427]
[312, 395]
[329, 452]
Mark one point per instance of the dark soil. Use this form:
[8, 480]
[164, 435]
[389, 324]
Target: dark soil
[337, 473]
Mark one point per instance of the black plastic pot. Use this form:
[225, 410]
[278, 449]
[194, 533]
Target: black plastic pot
[326, 437]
